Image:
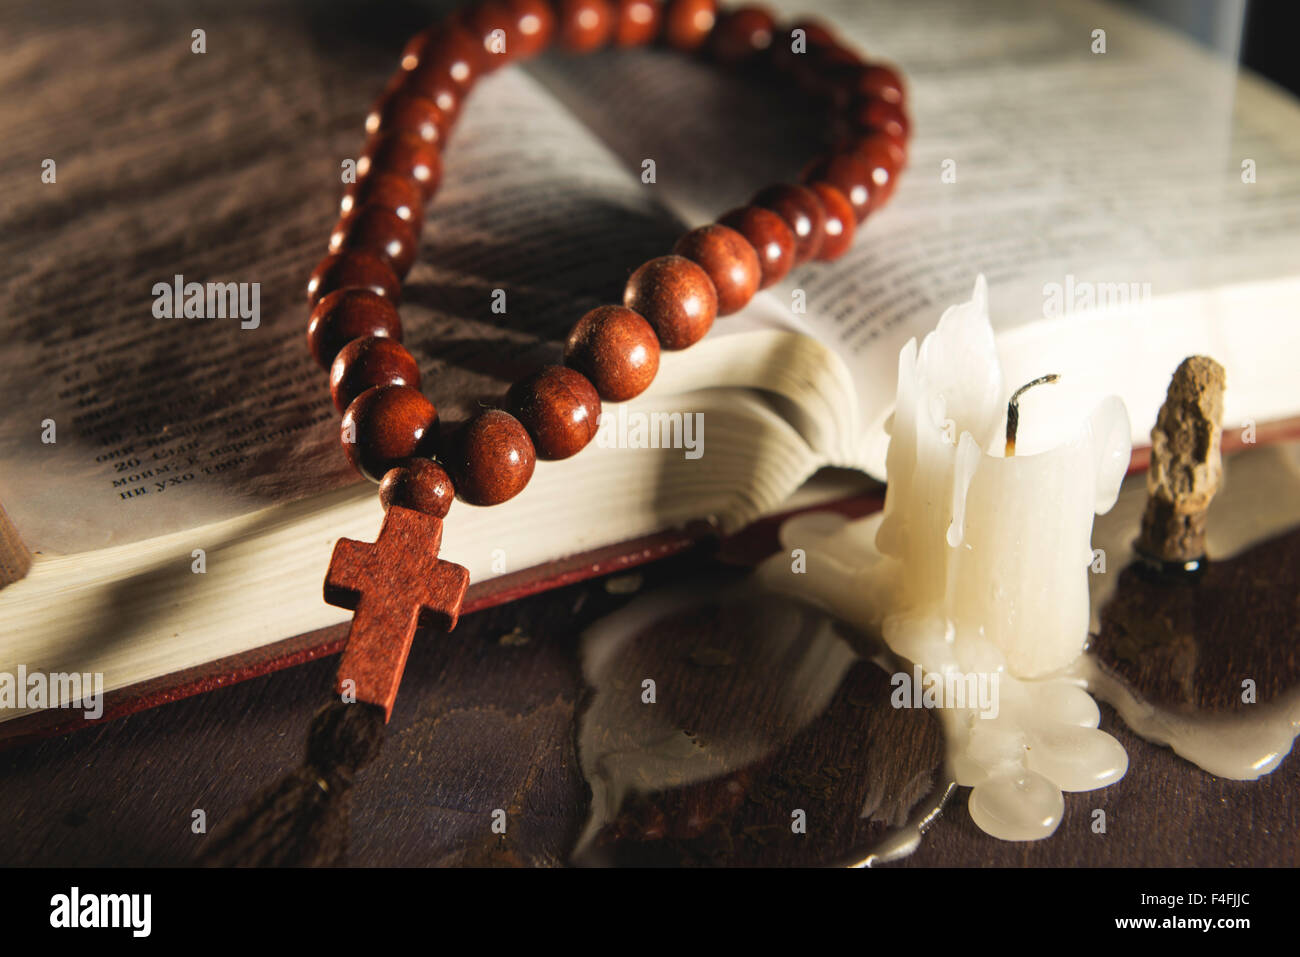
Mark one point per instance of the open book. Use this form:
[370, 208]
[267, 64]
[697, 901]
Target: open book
[1129, 208]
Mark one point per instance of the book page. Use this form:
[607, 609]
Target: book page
[1072, 179]
[120, 424]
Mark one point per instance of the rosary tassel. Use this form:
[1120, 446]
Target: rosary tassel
[302, 821]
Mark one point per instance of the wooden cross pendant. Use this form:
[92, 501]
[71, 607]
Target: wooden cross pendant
[394, 585]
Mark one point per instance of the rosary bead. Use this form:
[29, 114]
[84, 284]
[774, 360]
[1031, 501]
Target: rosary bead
[413, 52]
[676, 297]
[851, 176]
[636, 22]
[368, 362]
[374, 229]
[559, 408]
[877, 114]
[406, 112]
[878, 149]
[482, 21]
[729, 260]
[802, 212]
[801, 55]
[741, 35]
[450, 53]
[771, 237]
[387, 191]
[616, 349]
[348, 314]
[816, 34]
[440, 88]
[584, 25]
[404, 154]
[687, 23]
[534, 25]
[879, 82]
[841, 221]
[419, 484]
[353, 268]
[386, 425]
[492, 458]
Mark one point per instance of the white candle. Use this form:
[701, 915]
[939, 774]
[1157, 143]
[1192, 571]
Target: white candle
[997, 546]
[976, 573]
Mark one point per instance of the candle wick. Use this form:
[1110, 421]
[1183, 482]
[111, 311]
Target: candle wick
[1013, 410]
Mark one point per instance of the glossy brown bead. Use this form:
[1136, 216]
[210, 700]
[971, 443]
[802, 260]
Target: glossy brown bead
[876, 114]
[851, 176]
[386, 425]
[559, 408]
[449, 52]
[877, 149]
[770, 236]
[583, 25]
[483, 21]
[387, 191]
[879, 81]
[616, 349]
[419, 484]
[729, 260]
[413, 52]
[676, 297]
[820, 73]
[403, 154]
[636, 22]
[404, 111]
[840, 224]
[491, 458]
[741, 35]
[816, 34]
[348, 314]
[687, 23]
[374, 229]
[790, 52]
[534, 26]
[802, 212]
[368, 362]
[350, 269]
[439, 88]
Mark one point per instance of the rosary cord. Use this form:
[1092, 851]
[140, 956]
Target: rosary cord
[302, 820]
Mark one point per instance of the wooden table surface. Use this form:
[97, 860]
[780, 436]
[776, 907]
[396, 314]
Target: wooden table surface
[490, 717]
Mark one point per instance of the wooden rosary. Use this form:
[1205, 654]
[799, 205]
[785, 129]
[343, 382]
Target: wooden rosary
[390, 431]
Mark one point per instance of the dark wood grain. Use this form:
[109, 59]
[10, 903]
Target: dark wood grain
[486, 719]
